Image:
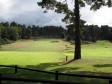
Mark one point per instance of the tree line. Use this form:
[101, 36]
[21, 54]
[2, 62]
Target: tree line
[92, 33]
[12, 31]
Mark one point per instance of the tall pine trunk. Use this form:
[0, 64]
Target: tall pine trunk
[77, 53]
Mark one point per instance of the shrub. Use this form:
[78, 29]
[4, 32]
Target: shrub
[2, 41]
[68, 38]
[7, 41]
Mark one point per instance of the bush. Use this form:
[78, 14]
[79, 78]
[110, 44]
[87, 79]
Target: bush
[7, 41]
[2, 41]
[68, 38]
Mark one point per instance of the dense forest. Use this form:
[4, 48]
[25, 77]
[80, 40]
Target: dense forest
[92, 33]
[12, 31]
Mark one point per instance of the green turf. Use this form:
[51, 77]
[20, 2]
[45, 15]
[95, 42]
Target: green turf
[50, 54]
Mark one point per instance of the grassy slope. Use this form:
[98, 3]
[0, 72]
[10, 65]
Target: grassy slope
[40, 51]
[99, 49]
[46, 54]
[29, 52]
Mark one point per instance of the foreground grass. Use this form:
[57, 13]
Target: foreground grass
[49, 54]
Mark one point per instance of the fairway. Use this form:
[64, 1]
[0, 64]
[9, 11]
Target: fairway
[53, 48]
[50, 54]
[34, 52]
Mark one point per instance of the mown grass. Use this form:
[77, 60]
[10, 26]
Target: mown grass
[100, 49]
[50, 54]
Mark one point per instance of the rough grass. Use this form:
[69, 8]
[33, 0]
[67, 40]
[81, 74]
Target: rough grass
[40, 45]
[49, 54]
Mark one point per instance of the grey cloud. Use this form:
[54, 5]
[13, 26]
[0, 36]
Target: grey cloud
[27, 12]
[38, 18]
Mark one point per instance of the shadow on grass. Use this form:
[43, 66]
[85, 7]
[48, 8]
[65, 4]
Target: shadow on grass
[102, 65]
[54, 41]
[55, 67]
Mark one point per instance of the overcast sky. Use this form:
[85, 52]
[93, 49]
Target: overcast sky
[27, 12]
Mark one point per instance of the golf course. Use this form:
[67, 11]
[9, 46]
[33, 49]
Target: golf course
[50, 55]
